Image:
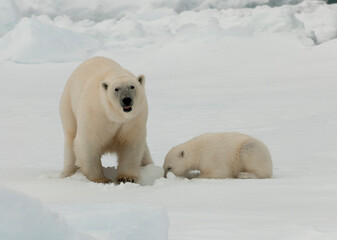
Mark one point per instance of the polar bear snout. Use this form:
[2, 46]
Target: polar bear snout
[166, 170]
[126, 104]
[126, 97]
[127, 101]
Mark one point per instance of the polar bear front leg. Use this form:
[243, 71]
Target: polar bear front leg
[89, 160]
[129, 161]
[215, 173]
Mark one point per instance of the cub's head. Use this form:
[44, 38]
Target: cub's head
[123, 97]
[176, 162]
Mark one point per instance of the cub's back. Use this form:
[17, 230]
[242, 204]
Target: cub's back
[220, 139]
[217, 144]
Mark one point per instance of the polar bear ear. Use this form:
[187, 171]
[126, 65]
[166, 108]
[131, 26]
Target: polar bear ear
[182, 153]
[104, 85]
[141, 79]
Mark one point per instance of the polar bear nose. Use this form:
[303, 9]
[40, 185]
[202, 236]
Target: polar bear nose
[127, 101]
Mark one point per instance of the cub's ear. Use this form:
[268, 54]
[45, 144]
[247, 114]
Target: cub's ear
[104, 85]
[141, 79]
[182, 153]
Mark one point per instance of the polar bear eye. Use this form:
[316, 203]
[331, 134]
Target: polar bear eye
[116, 89]
[132, 87]
[169, 168]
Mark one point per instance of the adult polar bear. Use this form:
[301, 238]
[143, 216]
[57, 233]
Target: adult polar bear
[103, 109]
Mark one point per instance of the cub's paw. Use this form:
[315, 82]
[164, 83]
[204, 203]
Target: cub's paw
[103, 180]
[247, 175]
[125, 179]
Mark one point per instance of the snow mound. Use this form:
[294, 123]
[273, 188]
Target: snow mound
[9, 16]
[171, 176]
[149, 174]
[117, 221]
[25, 218]
[34, 41]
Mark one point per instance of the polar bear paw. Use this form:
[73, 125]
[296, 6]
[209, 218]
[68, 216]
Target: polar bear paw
[125, 179]
[103, 180]
[247, 175]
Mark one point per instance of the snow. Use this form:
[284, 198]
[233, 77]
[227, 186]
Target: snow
[258, 67]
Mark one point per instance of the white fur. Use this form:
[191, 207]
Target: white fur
[220, 155]
[94, 122]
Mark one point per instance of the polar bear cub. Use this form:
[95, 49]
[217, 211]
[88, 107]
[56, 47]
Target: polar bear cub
[103, 109]
[220, 155]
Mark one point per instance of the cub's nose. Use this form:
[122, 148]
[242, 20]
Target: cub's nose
[127, 101]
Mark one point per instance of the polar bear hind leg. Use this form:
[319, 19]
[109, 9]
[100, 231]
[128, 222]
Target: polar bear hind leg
[69, 167]
[256, 160]
[69, 128]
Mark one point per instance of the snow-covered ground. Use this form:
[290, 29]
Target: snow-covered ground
[264, 68]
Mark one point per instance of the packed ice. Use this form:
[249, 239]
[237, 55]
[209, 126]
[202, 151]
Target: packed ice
[55, 31]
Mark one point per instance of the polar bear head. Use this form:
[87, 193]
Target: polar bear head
[123, 96]
[177, 162]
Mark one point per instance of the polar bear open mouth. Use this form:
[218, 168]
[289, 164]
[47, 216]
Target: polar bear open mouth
[127, 109]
